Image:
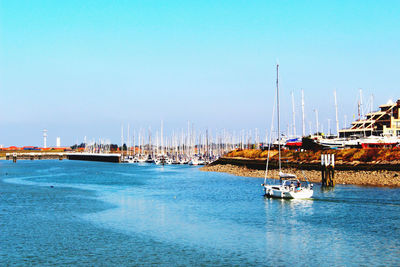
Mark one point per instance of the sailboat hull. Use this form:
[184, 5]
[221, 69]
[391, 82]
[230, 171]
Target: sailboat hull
[281, 192]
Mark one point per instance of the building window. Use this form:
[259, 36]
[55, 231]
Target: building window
[398, 133]
[397, 124]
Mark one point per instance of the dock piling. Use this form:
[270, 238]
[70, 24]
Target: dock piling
[328, 170]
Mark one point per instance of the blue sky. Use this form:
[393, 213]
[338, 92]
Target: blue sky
[82, 68]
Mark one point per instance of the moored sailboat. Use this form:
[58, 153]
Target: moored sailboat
[290, 187]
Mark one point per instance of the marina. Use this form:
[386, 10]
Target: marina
[200, 133]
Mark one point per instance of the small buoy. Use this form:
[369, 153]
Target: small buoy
[51, 186]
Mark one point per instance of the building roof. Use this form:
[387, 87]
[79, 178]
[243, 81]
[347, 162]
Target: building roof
[388, 104]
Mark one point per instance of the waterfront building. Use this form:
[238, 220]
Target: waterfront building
[385, 121]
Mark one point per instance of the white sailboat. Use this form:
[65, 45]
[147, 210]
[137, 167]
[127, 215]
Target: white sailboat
[290, 187]
[194, 161]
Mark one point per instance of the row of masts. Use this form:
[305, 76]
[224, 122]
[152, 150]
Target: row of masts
[181, 143]
[362, 110]
[189, 142]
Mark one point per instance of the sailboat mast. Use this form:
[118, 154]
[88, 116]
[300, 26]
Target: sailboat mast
[150, 146]
[372, 103]
[122, 139]
[277, 105]
[372, 108]
[294, 116]
[302, 112]
[134, 143]
[162, 137]
[140, 144]
[128, 142]
[316, 121]
[361, 105]
[337, 118]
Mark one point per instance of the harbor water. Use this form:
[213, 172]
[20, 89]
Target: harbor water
[101, 214]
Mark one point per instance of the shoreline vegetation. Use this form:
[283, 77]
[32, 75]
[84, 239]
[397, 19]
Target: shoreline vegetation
[366, 167]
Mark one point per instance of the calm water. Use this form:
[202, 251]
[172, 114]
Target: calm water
[87, 213]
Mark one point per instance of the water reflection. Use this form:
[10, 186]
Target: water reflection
[293, 204]
[287, 228]
[327, 189]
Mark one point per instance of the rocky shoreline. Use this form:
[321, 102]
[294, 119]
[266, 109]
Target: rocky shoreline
[381, 178]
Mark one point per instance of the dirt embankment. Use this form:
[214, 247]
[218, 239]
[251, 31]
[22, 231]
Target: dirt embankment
[354, 156]
[256, 168]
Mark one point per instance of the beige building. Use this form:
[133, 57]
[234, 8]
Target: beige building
[386, 121]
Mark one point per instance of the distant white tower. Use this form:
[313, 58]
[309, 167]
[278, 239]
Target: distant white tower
[44, 138]
[58, 142]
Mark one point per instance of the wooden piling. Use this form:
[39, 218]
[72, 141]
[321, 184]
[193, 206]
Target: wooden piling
[323, 178]
[328, 170]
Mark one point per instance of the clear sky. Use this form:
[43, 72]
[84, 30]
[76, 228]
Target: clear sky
[82, 68]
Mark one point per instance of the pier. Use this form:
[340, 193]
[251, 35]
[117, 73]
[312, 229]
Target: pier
[35, 156]
[104, 157]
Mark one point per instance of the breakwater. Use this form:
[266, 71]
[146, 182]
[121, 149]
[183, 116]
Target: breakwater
[116, 158]
[34, 156]
[60, 156]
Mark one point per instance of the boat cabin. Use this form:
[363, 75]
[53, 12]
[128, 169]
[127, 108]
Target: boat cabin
[291, 183]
